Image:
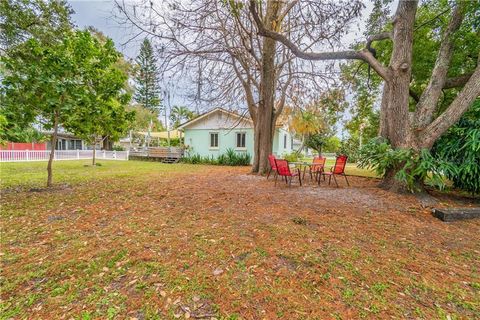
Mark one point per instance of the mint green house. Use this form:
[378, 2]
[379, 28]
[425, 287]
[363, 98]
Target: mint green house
[213, 132]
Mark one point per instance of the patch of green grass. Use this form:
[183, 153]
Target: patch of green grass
[350, 169]
[34, 174]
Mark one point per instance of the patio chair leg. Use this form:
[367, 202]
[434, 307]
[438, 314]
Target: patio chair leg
[268, 174]
[290, 182]
[348, 184]
[329, 179]
[276, 180]
[300, 179]
[335, 179]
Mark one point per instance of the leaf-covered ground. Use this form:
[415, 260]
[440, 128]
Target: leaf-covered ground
[152, 241]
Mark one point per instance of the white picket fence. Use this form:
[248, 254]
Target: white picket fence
[43, 155]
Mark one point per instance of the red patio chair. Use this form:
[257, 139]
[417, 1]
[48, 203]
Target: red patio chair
[283, 170]
[273, 166]
[317, 167]
[337, 170]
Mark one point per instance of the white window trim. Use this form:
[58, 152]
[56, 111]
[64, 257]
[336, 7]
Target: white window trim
[210, 140]
[236, 137]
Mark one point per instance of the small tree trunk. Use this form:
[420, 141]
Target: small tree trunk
[52, 151]
[107, 143]
[94, 153]
[302, 146]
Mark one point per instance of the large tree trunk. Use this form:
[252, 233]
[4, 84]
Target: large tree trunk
[395, 123]
[52, 151]
[256, 149]
[265, 126]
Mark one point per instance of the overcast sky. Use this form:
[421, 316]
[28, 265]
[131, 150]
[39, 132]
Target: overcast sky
[100, 14]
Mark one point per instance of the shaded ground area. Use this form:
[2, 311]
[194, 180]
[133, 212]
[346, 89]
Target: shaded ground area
[215, 242]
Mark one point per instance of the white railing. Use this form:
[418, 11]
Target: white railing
[43, 155]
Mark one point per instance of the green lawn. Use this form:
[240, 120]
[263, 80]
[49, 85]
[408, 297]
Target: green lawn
[34, 174]
[350, 169]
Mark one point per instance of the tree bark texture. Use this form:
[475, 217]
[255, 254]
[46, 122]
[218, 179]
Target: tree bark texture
[52, 151]
[265, 116]
[94, 151]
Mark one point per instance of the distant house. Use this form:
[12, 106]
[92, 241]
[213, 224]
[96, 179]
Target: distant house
[213, 132]
[68, 141]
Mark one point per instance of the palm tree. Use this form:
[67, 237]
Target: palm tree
[180, 114]
[311, 127]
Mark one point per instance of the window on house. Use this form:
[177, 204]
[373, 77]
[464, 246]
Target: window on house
[285, 141]
[241, 139]
[213, 140]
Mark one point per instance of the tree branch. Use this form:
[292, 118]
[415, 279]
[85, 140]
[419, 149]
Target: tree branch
[363, 55]
[457, 108]
[429, 99]
[457, 81]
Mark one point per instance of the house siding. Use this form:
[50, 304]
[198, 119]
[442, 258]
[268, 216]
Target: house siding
[198, 141]
[197, 135]
[278, 143]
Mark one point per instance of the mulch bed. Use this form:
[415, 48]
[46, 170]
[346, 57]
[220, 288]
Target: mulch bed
[222, 243]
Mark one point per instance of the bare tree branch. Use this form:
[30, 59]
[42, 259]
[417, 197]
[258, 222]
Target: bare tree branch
[364, 55]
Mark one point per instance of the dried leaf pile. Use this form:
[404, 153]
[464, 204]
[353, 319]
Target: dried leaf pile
[218, 243]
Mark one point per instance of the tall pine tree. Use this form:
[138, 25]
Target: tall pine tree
[147, 90]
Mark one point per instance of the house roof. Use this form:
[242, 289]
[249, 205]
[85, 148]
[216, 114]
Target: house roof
[206, 114]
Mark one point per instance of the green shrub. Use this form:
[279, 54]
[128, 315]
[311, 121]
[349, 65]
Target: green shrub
[350, 148]
[118, 148]
[174, 142]
[411, 166]
[291, 157]
[460, 146]
[230, 158]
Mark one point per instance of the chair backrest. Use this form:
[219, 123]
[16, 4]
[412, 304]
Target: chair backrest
[282, 167]
[271, 160]
[340, 163]
[318, 163]
[319, 160]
